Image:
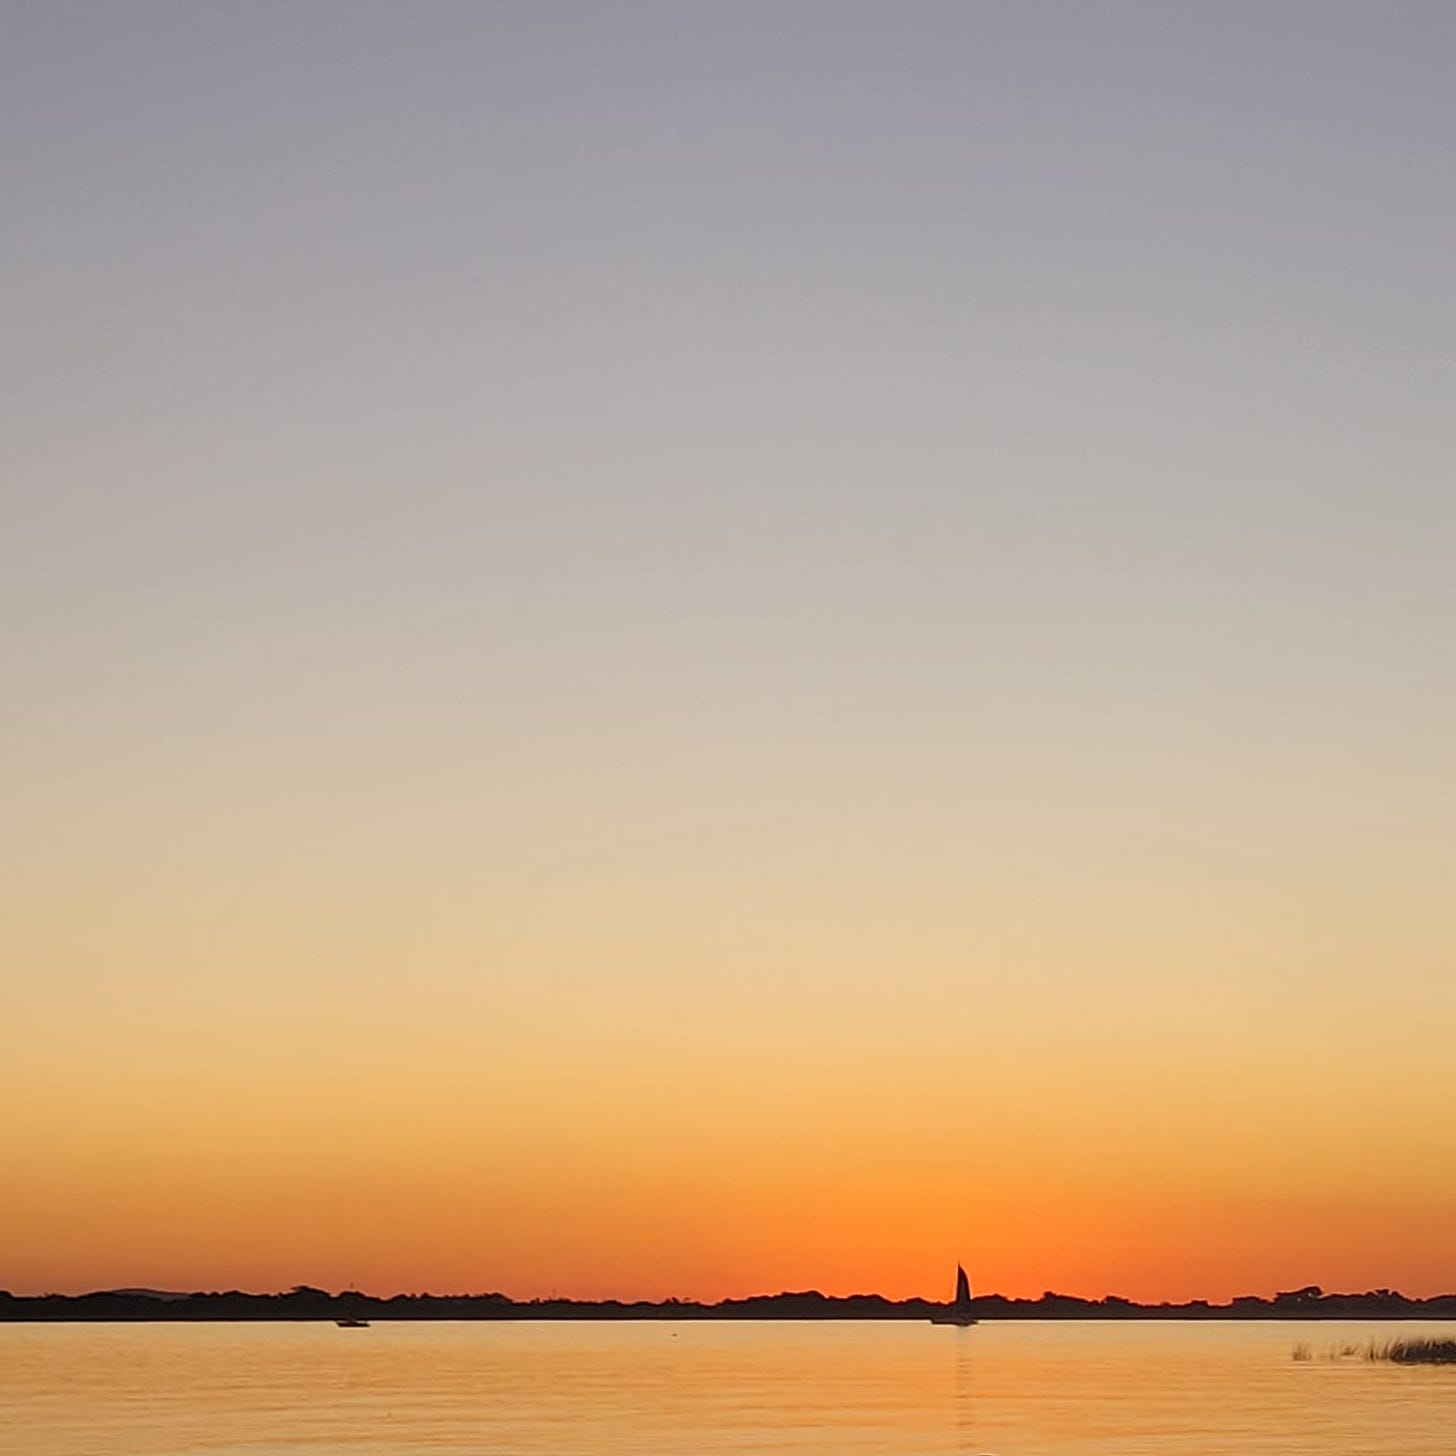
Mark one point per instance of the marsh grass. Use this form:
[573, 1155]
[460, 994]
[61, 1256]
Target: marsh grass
[1305, 1351]
[1415, 1350]
[1406, 1350]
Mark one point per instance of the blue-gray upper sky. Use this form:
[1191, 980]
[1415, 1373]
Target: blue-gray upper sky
[473, 286]
[545, 359]
[1073, 370]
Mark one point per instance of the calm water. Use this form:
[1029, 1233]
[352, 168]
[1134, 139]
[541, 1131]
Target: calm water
[1019, 1389]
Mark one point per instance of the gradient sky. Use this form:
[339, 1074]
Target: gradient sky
[678, 648]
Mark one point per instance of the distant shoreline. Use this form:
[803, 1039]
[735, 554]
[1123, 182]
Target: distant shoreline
[305, 1303]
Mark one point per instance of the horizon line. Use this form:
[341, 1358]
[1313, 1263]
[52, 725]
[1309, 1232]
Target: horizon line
[1307, 1294]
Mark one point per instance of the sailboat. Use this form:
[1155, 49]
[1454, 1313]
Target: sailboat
[958, 1313]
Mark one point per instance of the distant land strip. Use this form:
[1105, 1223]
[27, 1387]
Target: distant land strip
[307, 1303]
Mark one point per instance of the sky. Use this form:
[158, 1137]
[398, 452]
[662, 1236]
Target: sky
[676, 648]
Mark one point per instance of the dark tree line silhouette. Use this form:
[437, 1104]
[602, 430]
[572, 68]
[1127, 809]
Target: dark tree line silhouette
[307, 1303]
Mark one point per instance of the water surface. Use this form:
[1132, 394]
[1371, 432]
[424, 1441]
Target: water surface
[655, 1389]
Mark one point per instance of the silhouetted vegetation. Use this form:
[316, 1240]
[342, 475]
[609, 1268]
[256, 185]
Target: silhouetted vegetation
[307, 1303]
[1406, 1350]
[1415, 1350]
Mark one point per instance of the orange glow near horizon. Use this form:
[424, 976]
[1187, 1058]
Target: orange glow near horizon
[461, 1165]
[448, 1235]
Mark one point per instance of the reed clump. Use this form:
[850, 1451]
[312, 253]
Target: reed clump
[1404, 1350]
[1305, 1351]
[1415, 1350]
